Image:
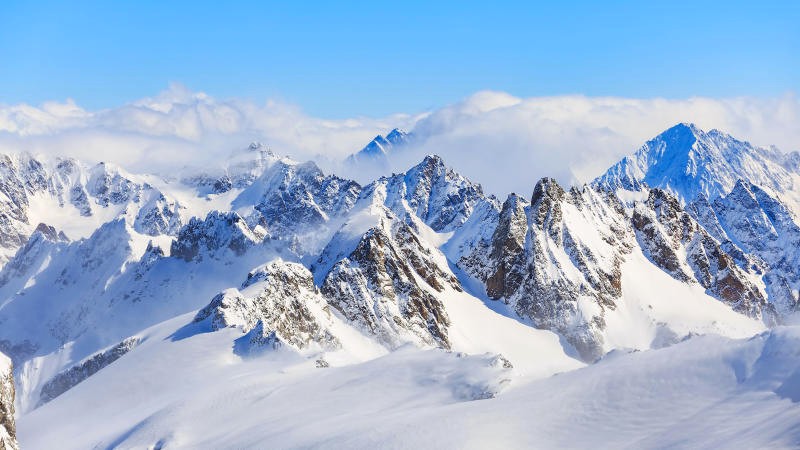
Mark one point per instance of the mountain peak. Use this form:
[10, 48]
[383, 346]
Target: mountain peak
[685, 127]
[432, 161]
[687, 161]
[380, 148]
[546, 187]
[398, 136]
[680, 138]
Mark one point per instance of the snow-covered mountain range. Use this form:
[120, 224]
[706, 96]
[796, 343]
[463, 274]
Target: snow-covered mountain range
[236, 307]
[381, 149]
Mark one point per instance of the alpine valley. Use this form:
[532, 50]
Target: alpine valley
[272, 305]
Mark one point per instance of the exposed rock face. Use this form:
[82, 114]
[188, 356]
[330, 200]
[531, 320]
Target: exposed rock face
[546, 258]
[388, 287]
[676, 243]
[431, 191]
[158, 215]
[8, 430]
[292, 198]
[703, 212]
[277, 305]
[555, 260]
[587, 263]
[762, 236]
[508, 250]
[217, 233]
[745, 197]
[550, 258]
[26, 182]
[764, 227]
[67, 379]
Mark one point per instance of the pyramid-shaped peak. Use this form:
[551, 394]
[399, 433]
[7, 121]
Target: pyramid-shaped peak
[398, 136]
[683, 135]
[380, 147]
[377, 146]
[431, 166]
[432, 160]
[742, 188]
[547, 187]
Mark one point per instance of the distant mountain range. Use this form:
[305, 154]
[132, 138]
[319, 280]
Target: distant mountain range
[125, 297]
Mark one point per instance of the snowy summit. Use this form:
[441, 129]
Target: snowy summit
[267, 303]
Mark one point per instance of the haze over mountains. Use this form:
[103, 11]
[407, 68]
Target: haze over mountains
[570, 138]
[197, 310]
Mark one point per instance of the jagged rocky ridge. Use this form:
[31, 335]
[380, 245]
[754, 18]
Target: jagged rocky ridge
[277, 305]
[547, 256]
[745, 197]
[675, 242]
[436, 194]
[8, 430]
[388, 285]
[366, 259]
[32, 187]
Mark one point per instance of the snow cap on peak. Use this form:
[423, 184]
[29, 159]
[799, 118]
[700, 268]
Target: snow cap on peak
[680, 136]
[256, 146]
[684, 128]
[281, 269]
[397, 132]
[430, 167]
[398, 136]
[380, 147]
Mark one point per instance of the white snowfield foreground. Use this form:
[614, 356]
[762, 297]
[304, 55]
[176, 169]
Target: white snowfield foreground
[707, 392]
[270, 305]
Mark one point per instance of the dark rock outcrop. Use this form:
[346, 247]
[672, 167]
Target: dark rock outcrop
[388, 287]
[8, 430]
[67, 379]
[218, 232]
[676, 243]
[278, 304]
[544, 264]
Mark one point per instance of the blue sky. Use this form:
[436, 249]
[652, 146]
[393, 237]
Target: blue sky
[337, 59]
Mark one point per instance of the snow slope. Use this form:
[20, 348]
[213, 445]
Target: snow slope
[707, 392]
[268, 304]
[168, 380]
[687, 161]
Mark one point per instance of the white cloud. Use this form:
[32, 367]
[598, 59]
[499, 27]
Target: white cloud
[506, 143]
[509, 143]
[180, 127]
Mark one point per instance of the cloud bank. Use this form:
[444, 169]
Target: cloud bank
[179, 127]
[504, 142]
